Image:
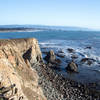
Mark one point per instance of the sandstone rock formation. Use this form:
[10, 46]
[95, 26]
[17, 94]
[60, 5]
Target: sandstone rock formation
[18, 81]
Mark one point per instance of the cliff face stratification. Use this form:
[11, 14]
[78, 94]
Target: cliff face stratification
[17, 78]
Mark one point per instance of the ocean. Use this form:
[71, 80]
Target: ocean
[86, 44]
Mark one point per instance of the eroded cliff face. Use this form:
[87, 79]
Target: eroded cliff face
[17, 78]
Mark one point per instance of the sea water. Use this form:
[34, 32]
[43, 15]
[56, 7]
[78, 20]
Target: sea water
[59, 40]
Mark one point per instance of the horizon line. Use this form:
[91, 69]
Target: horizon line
[98, 29]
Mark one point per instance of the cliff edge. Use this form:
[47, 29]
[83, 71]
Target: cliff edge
[18, 81]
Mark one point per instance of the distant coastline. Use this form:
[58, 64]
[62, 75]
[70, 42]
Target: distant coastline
[19, 30]
[42, 27]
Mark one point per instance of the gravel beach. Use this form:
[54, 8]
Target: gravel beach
[56, 87]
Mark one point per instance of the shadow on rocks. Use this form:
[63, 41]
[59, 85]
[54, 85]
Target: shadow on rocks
[51, 60]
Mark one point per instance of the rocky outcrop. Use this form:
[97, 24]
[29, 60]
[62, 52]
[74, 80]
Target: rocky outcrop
[50, 58]
[72, 66]
[18, 80]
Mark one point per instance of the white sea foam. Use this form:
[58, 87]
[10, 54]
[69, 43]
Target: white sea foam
[80, 51]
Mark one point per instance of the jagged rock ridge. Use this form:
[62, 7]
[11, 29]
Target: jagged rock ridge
[18, 80]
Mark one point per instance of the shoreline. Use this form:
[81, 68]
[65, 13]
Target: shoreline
[60, 88]
[86, 72]
[20, 31]
[26, 64]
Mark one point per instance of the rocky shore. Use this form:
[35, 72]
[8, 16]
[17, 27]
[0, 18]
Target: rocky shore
[25, 76]
[56, 87]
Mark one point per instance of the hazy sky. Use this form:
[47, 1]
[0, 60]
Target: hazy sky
[83, 13]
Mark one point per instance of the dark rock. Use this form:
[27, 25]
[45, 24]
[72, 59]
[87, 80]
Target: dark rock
[60, 55]
[43, 47]
[88, 61]
[58, 61]
[60, 51]
[72, 66]
[84, 59]
[70, 50]
[39, 59]
[66, 87]
[27, 54]
[45, 52]
[50, 58]
[74, 56]
[88, 47]
[55, 64]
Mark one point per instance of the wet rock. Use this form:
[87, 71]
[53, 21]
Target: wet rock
[60, 51]
[88, 61]
[70, 50]
[60, 55]
[72, 66]
[50, 58]
[44, 48]
[84, 59]
[58, 61]
[55, 64]
[74, 56]
[88, 47]
[45, 52]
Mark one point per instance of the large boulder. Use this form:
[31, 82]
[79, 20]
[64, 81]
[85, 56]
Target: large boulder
[50, 58]
[72, 66]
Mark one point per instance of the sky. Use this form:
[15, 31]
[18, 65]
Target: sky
[81, 13]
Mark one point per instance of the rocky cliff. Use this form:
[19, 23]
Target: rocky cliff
[18, 81]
